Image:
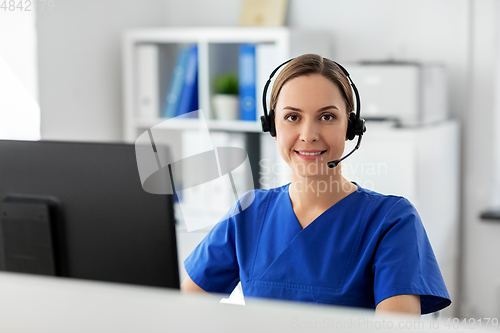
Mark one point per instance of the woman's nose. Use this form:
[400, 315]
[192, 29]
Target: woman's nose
[309, 132]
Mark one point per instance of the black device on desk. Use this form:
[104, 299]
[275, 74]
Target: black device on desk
[78, 210]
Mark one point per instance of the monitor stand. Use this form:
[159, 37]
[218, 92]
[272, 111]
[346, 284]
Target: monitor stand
[27, 234]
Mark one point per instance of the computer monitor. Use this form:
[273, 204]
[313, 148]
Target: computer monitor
[78, 210]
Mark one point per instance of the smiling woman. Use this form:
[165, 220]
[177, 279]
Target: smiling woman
[320, 238]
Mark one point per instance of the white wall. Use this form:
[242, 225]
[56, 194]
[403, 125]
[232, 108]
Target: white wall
[19, 109]
[495, 200]
[481, 267]
[79, 52]
[201, 13]
[425, 30]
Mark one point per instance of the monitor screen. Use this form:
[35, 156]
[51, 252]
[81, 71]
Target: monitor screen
[78, 210]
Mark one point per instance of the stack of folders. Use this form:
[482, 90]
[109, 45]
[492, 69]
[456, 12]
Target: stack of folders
[182, 94]
[148, 103]
[255, 63]
[246, 74]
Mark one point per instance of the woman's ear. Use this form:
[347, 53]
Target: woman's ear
[347, 130]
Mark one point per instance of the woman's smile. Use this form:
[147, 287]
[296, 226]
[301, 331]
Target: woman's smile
[310, 155]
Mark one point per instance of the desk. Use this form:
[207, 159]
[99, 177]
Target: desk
[44, 304]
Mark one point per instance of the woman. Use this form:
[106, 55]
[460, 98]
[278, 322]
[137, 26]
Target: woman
[320, 238]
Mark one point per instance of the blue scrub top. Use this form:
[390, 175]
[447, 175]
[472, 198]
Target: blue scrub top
[362, 250]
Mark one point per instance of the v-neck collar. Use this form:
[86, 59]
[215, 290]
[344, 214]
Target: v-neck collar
[282, 241]
[337, 204]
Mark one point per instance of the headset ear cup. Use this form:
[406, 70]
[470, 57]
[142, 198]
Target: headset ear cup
[272, 127]
[265, 123]
[351, 126]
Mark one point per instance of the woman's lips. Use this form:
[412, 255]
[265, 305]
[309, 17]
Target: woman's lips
[309, 154]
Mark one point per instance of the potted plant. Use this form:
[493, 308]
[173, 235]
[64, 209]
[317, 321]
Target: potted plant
[225, 100]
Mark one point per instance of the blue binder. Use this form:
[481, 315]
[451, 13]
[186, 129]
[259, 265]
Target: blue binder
[246, 75]
[174, 93]
[189, 96]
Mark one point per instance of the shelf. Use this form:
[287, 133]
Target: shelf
[209, 34]
[183, 124]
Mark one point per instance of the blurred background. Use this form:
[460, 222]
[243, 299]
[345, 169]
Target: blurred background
[63, 76]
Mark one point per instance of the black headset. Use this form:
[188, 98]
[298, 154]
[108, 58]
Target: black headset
[356, 124]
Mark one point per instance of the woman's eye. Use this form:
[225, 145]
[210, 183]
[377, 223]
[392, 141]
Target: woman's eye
[327, 117]
[292, 117]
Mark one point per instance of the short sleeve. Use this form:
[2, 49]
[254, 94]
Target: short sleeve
[404, 262]
[213, 264]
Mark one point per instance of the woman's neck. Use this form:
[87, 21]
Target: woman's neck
[318, 193]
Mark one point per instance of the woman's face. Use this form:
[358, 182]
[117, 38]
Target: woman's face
[311, 124]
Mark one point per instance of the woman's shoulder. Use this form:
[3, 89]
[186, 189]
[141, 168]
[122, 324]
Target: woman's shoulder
[385, 206]
[378, 198]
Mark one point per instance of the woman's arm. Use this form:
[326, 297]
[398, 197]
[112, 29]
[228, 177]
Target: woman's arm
[409, 304]
[189, 286]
